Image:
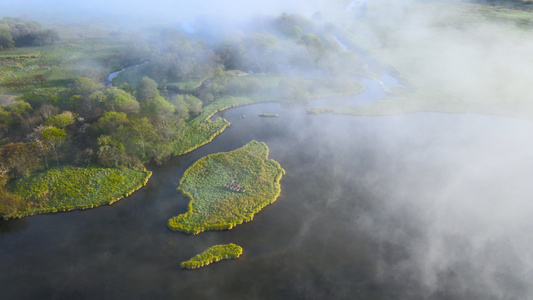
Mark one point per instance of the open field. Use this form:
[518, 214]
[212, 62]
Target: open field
[48, 70]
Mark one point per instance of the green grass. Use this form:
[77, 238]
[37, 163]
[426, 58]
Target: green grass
[186, 86]
[213, 254]
[21, 68]
[281, 88]
[67, 188]
[212, 206]
[201, 130]
[197, 133]
[133, 76]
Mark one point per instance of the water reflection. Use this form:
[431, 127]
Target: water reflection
[371, 208]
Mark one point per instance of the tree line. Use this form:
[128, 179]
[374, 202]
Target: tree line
[16, 32]
[91, 124]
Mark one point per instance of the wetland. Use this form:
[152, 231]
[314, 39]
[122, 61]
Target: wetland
[357, 208]
[405, 176]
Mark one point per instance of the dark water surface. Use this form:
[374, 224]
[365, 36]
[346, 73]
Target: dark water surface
[425, 206]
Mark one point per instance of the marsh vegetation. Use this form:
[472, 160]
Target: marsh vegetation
[417, 206]
[213, 254]
[68, 188]
[212, 205]
[56, 111]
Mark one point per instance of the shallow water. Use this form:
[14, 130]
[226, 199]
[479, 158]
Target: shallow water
[407, 207]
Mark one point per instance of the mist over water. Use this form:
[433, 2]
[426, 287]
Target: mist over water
[419, 206]
[408, 207]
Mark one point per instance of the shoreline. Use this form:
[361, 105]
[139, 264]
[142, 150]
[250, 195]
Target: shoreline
[213, 207]
[212, 255]
[66, 208]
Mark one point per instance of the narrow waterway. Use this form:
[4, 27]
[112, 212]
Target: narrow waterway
[111, 76]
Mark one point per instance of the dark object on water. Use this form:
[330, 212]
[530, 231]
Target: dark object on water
[235, 188]
[268, 115]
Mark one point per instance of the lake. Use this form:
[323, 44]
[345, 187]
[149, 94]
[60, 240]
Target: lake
[421, 206]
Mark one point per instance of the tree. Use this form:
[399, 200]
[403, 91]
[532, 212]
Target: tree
[146, 90]
[233, 55]
[61, 121]
[10, 204]
[85, 156]
[194, 104]
[92, 104]
[162, 115]
[50, 36]
[47, 110]
[111, 153]
[291, 25]
[20, 107]
[110, 122]
[139, 138]
[84, 87]
[181, 108]
[6, 40]
[157, 107]
[314, 46]
[115, 99]
[54, 139]
[21, 159]
[29, 33]
[6, 119]
[128, 88]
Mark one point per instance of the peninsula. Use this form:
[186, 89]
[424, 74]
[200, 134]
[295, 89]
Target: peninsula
[68, 188]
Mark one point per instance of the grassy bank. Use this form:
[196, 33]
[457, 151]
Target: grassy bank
[68, 188]
[213, 254]
[212, 205]
[198, 133]
[202, 130]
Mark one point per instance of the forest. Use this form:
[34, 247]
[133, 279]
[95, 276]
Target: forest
[57, 108]
[16, 32]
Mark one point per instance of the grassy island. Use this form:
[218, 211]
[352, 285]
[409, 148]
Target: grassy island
[213, 254]
[68, 188]
[227, 189]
